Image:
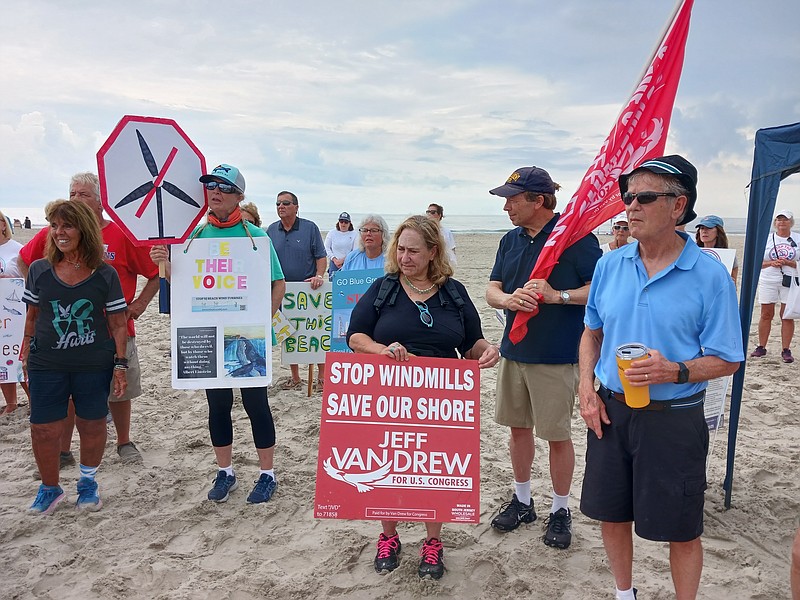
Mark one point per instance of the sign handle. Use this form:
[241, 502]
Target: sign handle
[163, 289]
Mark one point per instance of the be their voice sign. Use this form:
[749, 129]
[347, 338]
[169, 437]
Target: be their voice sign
[399, 441]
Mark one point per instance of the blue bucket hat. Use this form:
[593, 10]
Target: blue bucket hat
[227, 173]
[710, 222]
[526, 179]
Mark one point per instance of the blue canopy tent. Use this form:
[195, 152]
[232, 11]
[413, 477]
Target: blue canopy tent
[777, 155]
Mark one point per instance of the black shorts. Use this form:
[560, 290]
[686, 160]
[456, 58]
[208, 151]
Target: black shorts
[649, 468]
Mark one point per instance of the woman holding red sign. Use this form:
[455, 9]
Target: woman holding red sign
[417, 309]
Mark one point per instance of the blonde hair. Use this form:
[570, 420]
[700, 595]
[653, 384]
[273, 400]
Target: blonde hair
[9, 228]
[253, 210]
[439, 269]
[80, 216]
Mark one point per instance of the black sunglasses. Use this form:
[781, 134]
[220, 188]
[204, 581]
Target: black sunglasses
[645, 197]
[283, 203]
[225, 188]
[620, 227]
[424, 314]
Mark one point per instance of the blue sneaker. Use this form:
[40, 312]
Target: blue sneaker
[265, 487]
[223, 485]
[47, 499]
[88, 498]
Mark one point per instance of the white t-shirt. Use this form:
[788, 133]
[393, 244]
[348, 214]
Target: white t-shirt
[779, 247]
[450, 245]
[340, 243]
[9, 254]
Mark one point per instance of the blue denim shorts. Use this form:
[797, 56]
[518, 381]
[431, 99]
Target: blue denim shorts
[51, 390]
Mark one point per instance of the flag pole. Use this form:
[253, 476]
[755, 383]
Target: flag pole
[664, 31]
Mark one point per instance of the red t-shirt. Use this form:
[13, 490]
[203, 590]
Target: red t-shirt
[128, 260]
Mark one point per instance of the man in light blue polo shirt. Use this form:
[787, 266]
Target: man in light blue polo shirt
[647, 466]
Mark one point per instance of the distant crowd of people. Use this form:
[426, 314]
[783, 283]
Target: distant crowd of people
[645, 467]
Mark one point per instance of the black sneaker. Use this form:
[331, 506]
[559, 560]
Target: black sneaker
[431, 563]
[223, 485]
[512, 514]
[559, 529]
[386, 559]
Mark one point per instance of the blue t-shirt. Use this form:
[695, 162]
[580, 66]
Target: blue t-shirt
[298, 249]
[685, 311]
[357, 260]
[554, 334]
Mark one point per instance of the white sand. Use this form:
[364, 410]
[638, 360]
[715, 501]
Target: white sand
[157, 537]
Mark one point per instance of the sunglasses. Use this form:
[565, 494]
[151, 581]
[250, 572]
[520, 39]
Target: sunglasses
[621, 228]
[225, 188]
[431, 212]
[424, 314]
[284, 203]
[645, 197]
[368, 230]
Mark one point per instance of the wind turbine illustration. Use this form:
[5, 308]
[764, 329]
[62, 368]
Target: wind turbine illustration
[151, 188]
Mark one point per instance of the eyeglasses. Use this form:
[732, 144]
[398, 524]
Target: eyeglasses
[225, 188]
[424, 314]
[645, 197]
[431, 212]
[620, 228]
[368, 230]
[284, 203]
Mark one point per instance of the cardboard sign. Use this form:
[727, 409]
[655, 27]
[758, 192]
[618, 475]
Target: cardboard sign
[149, 174]
[399, 441]
[12, 327]
[221, 322]
[724, 255]
[348, 287]
[714, 405]
[309, 312]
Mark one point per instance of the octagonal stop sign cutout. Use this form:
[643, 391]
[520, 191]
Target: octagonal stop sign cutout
[149, 173]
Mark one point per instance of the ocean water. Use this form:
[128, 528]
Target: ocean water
[495, 223]
[481, 223]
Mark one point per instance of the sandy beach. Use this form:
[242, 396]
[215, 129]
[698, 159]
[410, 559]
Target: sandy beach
[158, 537]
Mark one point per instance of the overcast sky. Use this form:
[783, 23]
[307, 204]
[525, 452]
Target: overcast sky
[386, 106]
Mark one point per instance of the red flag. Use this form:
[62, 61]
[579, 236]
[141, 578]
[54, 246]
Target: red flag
[639, 134]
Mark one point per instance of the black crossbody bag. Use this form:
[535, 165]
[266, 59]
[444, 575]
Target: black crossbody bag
[786, 281]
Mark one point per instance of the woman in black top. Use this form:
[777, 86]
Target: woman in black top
[420, 318]
[74, 347]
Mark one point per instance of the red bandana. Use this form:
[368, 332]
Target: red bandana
[233, 218]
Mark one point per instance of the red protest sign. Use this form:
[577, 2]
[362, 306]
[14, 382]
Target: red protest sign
[399, 441]
[149, 174]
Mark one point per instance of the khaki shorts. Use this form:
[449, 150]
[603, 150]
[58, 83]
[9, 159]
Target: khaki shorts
[133, 374]
[539, 397]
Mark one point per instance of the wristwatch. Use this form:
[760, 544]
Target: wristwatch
[564, 296]
[683, 373]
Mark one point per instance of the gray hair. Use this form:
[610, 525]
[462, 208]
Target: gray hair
[87, 178]
[377, 220]
[673, 185]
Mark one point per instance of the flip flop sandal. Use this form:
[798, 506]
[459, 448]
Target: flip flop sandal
[289, 384]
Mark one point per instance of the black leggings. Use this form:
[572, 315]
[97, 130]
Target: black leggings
[220, 424]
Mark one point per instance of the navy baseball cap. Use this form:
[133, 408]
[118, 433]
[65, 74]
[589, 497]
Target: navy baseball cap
[344, 217]
[678, 167]
[710, 222]
[526, 179]
[227, 173]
